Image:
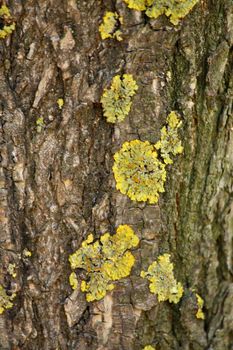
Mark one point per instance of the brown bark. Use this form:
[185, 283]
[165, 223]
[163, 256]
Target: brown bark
[57, 185]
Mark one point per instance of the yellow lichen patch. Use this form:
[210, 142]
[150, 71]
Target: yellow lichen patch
[139, 5]
[40, 125]
[105, 260]
[200, 304]
[162, 281]
[5, 300]
[169, 142]
[27, 253]
[174, 9]
[117, 100]
[149, 347]
[73, 280]
[5, 18]
[108, 28]
[11, 270]
[60, 103]
[138, 172]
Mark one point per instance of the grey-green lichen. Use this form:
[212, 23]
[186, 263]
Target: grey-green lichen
[162, 281]
[108, 28]
[174, 9]
[6, 19]
[40, 124]
[5, 300]
[117, 100]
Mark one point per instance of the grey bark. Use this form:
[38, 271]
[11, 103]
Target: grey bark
[57, 185]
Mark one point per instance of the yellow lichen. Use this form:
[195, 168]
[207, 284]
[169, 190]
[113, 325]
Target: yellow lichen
[108, 28]
[139, 5]
[149, 347]
[200, 304]
[27, 253]
[5, 300]
[162, 281]
[174, 9]
[60, 103]
[11, 270]
[105, 260]
[169, 142]
[138, 172]
[117, 100]
[73, 280]
[5, 17]
[40, 125]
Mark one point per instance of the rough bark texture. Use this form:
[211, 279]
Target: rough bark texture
[57, 185]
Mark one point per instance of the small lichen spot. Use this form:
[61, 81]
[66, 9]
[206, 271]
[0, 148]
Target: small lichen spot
[5, 300]
[162, 281]
[117, 100]
[60, 103]
[200, 304]
[108, 28]
[8, 26]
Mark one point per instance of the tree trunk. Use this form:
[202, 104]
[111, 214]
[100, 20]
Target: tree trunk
[57, 183]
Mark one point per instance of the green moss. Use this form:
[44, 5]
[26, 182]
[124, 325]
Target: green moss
[5, 300]
[174, 9]
[169, 142]
[5, 17]
[108, 27]
[162, 281]
[138, 172]
[105, 260]
[117, 100]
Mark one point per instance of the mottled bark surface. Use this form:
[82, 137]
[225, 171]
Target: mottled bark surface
[57, 185]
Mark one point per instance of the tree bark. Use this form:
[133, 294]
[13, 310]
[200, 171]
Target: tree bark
[57, 185]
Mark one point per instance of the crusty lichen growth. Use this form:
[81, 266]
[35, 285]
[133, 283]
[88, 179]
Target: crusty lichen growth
[40, 124]
[117, 100]
[105, 260]
[169, 142]
[162, 281]
[174, 9]
[108, 28]
[73, 280]
[138, 172]
[60, 103]
[5, 300]
[11, 270]
[8, 25]
[139, 5]
[200, 304]
[148, 347]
